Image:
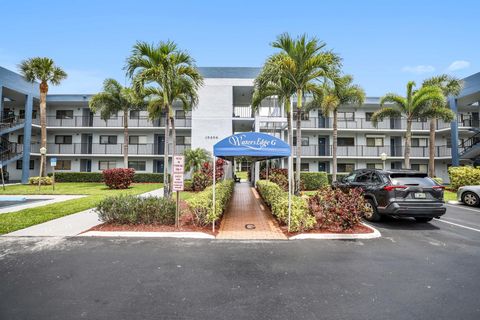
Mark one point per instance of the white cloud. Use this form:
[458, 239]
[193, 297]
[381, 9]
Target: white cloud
[458, 65]
[420, 69]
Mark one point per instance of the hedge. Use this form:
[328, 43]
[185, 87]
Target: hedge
[277, 200]
[130, 209]
[463, 176]
[313, 180]
[339, 177]
[98, 177]
[201, 204]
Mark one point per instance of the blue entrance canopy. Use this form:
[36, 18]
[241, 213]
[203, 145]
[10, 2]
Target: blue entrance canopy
[251, 144]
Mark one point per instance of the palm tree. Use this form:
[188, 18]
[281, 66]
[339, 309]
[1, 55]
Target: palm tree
[450, 86]
[167, 67]
[194, 158]
[113, 99]
[341, 91]
[412, 107]
[46, 72]
[304, 64]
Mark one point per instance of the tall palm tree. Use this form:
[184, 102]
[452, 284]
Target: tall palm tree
[116, 98]
[46, 72]
[450, 86]
[340, 91]
[194, 158]
[411, 107]
[303, 63]
[163, 65]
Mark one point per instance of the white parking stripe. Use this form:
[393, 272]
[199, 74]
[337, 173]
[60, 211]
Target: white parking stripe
[462, 207]
[456, 224]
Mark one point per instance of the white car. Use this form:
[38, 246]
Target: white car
[469, 195]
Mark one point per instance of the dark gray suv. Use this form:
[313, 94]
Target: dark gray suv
[403, 193]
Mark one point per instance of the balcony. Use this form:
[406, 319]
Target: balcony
[371, 152]
[107, 149]
[97, 121]
[243, 112]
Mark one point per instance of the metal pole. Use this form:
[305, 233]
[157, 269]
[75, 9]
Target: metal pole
[3, 179]
[290, 172]
[214, 176]
[53, 178]
[267, 170]
[177, 218]
[40, 173]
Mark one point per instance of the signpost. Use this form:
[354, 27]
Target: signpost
[177, 183]
[53, 164]
[3, 178]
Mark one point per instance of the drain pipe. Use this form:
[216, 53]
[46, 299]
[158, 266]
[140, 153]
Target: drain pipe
[214, 178]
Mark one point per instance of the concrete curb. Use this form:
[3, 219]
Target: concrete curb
[338, 236]
[135, 234]
[453, 202]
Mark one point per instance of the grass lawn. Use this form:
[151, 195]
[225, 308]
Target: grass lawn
[242, 175]
[95, 192]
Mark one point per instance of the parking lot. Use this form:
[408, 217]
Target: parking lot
[415, 271]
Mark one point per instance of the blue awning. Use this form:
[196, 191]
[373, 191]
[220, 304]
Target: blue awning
[251, 144]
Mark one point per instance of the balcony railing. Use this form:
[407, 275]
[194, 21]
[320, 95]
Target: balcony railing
[242, 112]
[96, 121]
[389, 124]
[110, 149]
[367, 151]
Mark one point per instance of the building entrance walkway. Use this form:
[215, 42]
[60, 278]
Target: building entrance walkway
[247, 217]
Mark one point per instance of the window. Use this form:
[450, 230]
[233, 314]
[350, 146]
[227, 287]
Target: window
[305, 141]
[368, 116]
[345, 167]
[20, 164]
[374, 142]
[346, 116]
[419, 142]
[378, 166]
[135, 114]
[22, 114]
[64, 114]
[63, 139]
[303, 115]
[364, 177]
[420, 167]
[184, 140]
[304, 167]
[108, 139]
[346, 142]
[180, 114]
[137, 139]
[137, 165]
[449, 142]
[20, 139]
[104, 165]
[63, 165]
[350, 177]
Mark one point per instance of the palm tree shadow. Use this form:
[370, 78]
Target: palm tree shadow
[393, 223]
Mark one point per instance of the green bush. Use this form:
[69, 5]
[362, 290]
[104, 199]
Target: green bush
[201, 204]
[129, 209]
[463, 176]
[78, 176]
[339, 177]
[313, 180]
[46, 181]
[277, 200]
[148, 178]
[188, 185]
[438, 180]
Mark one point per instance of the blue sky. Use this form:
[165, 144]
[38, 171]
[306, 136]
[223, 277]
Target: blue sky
[383, 43]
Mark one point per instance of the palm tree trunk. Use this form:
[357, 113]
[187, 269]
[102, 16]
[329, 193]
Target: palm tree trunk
[334, 146]
[166, 185]
[125, 138]
[43, 127]
[408, 143]
[299, 152]
[174, 145]
[431, 148]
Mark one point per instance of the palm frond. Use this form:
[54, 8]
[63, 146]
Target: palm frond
[385, 112]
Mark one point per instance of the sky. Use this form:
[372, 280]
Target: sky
[383, 44]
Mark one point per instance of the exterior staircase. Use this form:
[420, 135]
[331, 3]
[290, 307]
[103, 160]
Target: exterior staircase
[9, 151]
[11, 124]
[470, 149]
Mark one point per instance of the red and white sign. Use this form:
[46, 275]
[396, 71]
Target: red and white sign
[178, 169]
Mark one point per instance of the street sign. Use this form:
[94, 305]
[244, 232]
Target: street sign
[178, 161]
[178, 169]
[177, 184]
[53, 162]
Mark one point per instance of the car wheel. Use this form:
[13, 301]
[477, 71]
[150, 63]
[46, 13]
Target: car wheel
[372, 213]
[423, 219]
[470, 199]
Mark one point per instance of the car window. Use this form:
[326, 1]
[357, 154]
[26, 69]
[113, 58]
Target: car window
[363, 177]
[376, 178]
[350, 177]
[413, 181]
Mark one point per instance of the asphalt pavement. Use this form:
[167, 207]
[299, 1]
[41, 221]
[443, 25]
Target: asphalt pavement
[415, 271]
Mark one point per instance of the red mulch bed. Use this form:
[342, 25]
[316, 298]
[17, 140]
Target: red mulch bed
[152, 228]
[357, 229]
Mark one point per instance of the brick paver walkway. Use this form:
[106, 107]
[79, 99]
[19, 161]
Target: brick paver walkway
[246, 207]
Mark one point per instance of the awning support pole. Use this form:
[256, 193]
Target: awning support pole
[289, 191]
[214, 176]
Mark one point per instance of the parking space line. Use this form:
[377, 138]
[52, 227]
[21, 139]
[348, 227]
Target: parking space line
[458, 225]
[462, 207]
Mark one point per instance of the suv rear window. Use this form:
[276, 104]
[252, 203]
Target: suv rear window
[412, 181]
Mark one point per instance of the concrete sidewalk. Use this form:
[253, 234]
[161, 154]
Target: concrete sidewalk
[70, 225]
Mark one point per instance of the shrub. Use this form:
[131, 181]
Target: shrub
[204, 177]
[333, 208]
[280, 179]
[46, 181]
[339, 177]
[129, 209]
[263, 173]
[78, 176]
[201, 204]
[148, 177]
[200, 181]
[188, 185]
[313, 180]
[463, 176]
[438, 180]
[277, 199]
[118, 178]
